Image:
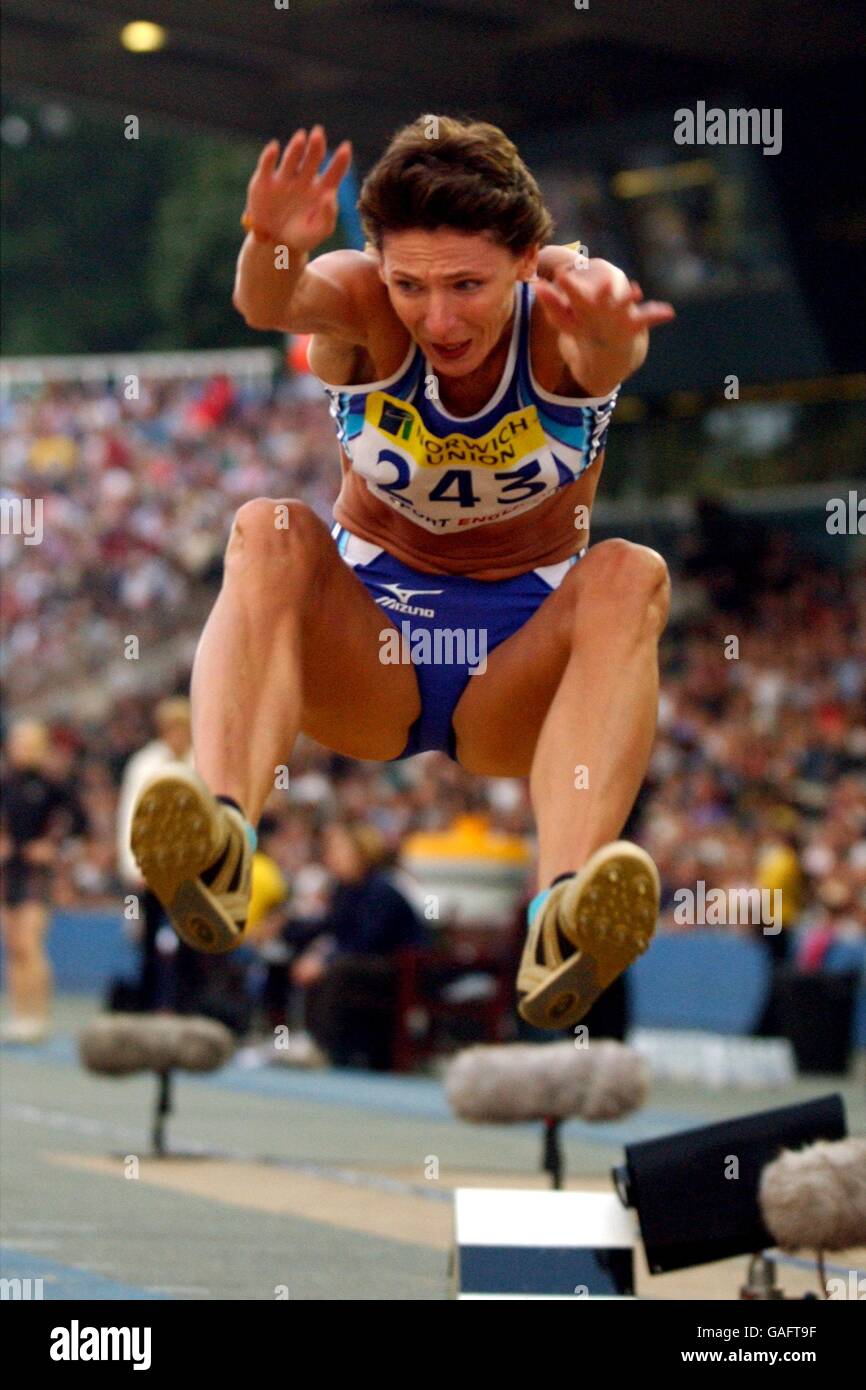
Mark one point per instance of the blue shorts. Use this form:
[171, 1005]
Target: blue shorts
[446, 625]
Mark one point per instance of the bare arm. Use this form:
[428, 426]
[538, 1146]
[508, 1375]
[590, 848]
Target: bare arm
[321, 296]
[602, 321]
[292, 210]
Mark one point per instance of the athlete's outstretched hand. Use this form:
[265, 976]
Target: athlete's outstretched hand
[599, 314]
[291, 200]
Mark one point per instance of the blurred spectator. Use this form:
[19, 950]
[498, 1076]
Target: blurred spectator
[348, 969]
[36, 813]
[265, 923]
[172, 744]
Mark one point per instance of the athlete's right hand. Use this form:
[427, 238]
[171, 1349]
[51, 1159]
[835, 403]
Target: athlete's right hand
[290, 201]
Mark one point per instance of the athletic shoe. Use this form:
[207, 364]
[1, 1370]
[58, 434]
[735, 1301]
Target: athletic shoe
[195, 856]
[589, 929]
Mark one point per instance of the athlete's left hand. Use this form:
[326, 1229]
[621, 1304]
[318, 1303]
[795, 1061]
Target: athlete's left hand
[601, 318]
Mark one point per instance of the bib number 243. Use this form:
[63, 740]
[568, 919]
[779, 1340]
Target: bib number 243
[455, 484]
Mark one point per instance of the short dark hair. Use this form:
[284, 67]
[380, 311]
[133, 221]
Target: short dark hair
[445, 171]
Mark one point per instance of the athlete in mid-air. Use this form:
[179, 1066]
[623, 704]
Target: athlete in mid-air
[472, 371]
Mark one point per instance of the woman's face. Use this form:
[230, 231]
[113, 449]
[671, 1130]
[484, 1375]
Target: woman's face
[341, 855]
[454, 292]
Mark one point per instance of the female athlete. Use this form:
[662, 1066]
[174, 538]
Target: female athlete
[472, 370]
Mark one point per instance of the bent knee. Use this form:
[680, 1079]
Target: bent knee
[628, 577]
[269, 530]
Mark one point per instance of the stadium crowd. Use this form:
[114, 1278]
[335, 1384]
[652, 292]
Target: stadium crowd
[759, 772]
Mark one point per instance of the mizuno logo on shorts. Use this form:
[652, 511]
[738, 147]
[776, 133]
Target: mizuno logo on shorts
[404, 595]
[400, 602]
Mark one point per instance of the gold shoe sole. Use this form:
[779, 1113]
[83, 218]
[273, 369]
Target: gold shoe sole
[176, 834]
[608, 912]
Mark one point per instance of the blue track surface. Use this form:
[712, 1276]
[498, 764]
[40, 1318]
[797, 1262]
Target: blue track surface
[65, 1281]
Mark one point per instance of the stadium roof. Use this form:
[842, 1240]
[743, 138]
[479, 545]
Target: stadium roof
[363, 67]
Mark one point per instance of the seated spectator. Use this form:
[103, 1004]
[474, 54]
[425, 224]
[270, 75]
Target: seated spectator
[348, 969]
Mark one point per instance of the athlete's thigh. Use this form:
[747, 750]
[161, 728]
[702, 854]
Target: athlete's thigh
[499, 716]
[352, 701]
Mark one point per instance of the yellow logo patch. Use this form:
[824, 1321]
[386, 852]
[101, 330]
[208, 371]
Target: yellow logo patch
[514, 437]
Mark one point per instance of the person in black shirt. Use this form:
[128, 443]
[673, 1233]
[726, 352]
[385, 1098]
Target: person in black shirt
[35, 813]
[349, 970]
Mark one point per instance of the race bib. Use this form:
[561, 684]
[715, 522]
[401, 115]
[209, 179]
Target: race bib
[448, 483]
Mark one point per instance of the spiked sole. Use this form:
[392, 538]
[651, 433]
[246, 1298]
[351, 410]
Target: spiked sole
[608, 914]
[176, 834]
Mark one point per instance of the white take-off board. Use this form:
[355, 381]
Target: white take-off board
[514, 1244]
